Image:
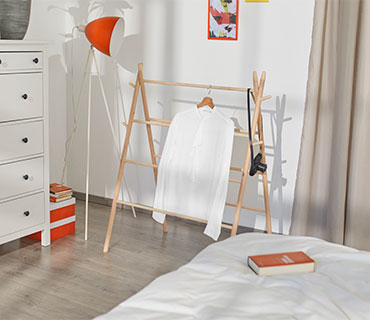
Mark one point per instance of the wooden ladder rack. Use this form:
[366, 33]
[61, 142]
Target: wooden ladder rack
[257, 91]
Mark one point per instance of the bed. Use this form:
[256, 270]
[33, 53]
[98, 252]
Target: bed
[218, 284]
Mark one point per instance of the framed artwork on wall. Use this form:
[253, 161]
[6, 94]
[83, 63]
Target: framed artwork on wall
[223, 19]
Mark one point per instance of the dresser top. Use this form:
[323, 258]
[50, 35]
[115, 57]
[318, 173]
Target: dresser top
[24, 45]
[23, 42]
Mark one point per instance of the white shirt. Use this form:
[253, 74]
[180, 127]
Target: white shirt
[194, 169]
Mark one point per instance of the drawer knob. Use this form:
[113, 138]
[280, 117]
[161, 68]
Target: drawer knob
[26, 213]
[25, 139]
[36, 60]
[26, 177]
[25, 96]
[1, 61]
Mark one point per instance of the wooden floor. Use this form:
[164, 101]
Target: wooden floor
[73, 279]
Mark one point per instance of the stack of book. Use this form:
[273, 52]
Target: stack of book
[59, 193]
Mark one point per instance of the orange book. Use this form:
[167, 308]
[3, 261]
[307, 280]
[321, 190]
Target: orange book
[52, 199]
[62, 220]
[64, 195]
[279, 263]
[57, 232]
[58, 189]
[62, 212]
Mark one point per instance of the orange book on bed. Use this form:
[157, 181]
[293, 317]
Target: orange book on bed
[279, 263]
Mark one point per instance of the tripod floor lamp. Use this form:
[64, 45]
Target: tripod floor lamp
[106, 35]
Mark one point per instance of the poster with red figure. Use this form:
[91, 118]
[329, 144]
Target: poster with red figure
[223, 19]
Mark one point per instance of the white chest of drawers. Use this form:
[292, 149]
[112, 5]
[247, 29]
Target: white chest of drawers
[24, 143]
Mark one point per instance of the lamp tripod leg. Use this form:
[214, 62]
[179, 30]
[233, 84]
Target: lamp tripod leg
[88, 161]
[111, 127]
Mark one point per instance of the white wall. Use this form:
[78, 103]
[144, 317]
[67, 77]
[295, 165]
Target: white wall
[170, 37]
[48, 23]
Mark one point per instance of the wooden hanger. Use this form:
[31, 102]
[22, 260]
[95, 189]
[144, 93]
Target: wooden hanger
[207, 101]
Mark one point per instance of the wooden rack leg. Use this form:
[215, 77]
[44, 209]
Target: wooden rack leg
[241, 192]
[122, 164]
[265, 183]
[149, 131]
[264, 175]
[257, 110]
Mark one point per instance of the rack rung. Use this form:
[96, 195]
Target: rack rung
[266, 98]
[173, 214]
[154, 123]
[237, 133]
[160, 120]
[201, 86]
[236, 169]
[242, 131]
[145, 164]
[234, 181]
[179, 84]
[245, 207]
[193, 85]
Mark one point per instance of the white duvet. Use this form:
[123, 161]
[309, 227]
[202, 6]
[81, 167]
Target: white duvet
[218, 284]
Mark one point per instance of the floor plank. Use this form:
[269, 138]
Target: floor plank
[73, 279]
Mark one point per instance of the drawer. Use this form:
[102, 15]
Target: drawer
[20, 96]
[22, 213]
[19, 140]
[21, 177]
[20, 60]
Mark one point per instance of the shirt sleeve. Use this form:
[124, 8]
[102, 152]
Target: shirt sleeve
[163, 170]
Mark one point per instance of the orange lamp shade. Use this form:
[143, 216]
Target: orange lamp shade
[106, 34]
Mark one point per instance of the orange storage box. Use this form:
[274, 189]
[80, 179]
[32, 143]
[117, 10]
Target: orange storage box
[62, 220]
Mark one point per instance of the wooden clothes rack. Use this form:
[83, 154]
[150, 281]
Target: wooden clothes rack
[257, 95]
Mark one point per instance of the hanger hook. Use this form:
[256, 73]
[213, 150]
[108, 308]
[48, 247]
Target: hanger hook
[209, 90]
